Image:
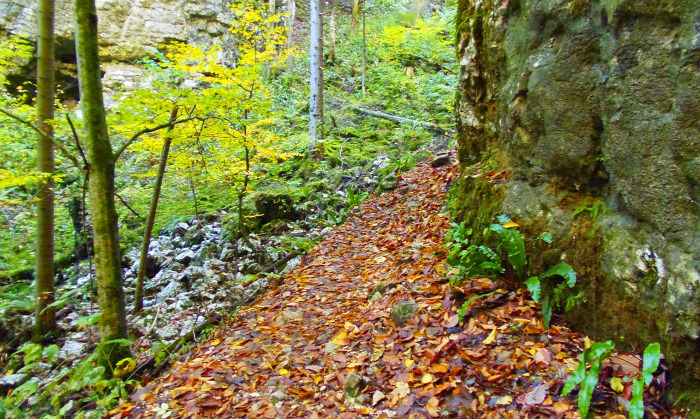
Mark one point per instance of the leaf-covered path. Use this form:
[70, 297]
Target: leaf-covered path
[327, 333]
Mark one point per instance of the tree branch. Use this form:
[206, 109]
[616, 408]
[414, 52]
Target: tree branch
[133, 211]
[67, 154]
[77, 140]
[148, 130]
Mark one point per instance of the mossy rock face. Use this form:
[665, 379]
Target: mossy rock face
[589, 105]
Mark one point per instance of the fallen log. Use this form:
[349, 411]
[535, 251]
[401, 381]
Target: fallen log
[399, 119]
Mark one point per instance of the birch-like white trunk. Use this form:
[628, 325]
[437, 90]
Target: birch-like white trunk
[316, 78]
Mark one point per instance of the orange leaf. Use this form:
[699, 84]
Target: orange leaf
[341, 339]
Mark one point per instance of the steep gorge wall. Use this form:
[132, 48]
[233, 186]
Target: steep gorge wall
[129, 30]
[592, 110]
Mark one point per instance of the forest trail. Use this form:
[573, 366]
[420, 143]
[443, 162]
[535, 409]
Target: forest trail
[327, 333]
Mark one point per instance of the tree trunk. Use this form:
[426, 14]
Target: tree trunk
[399, 119]
[45, 316]
[364, 54]
[331, 53]
[101, 191]
[316, 78]
[356, 8]
[151, 218]
[419, 8]
[291, 11]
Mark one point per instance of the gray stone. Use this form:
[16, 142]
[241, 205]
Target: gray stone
[72, 350]
[169, 291]
[354, 384]
[441, 159]
[185, 257]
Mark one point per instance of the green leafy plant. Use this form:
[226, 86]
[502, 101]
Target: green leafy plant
[650, 362]
[558, 296]
[472, 260]
[594, 209]
[356, 198]
[588, 372]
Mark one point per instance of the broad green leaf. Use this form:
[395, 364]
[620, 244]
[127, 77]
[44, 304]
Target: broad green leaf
[564, 270]
[66, 408]
[51, 352]
[587, 387]
[513, 242]
[546, 237]
[546, 311]
[533, 284]
[637, 402]
[598, 350]
[32, 352]
[652, 356]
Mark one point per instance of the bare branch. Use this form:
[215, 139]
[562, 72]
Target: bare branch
[77, 140]
[67, 154]
[133, 211]
[148, 130]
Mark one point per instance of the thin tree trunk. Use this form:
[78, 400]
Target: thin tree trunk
[331, 54]
[355, 15]
[110, 293]
[271, 7]
[316, 78]
[420, 4]
[291, 11]
[364, 53]
[45, 316]
[151, 218]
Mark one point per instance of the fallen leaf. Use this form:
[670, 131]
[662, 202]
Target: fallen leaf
[432, 407]
[491, 338]
[377, 397]
[427, 378]
[511, 224]
[341, 339]
[616, 384]
[409, 362]
[536, 395]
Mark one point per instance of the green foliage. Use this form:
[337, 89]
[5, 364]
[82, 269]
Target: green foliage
[85, 378]
[650, 362]
[594, 209]
[512, 241]
[587, 374]
[471, 260]
[589, 368]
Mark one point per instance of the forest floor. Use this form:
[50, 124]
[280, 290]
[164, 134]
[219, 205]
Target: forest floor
[367, 326]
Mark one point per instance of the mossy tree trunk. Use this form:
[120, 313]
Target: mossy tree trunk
[101, 191]
[45, 318]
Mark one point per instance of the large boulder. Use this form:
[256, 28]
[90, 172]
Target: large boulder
[584, 114]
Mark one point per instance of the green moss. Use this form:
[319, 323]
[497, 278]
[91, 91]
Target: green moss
[476, 201]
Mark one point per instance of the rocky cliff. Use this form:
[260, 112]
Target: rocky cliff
[129, 30]
[582, 118]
